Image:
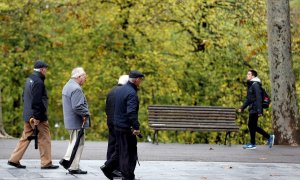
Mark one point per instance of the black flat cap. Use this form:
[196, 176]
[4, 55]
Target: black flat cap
[40, 64]
[135, 74]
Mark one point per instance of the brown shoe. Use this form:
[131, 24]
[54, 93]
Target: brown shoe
[17, 165]
[50, 167]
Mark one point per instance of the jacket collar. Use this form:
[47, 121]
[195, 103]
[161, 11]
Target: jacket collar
[133, 85]
[38, 74]
[252, 81]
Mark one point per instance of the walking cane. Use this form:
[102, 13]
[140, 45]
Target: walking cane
[35, 134]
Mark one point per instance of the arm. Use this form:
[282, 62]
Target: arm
[79, 104]
[132, 111]
[246, 103]
[258, 95]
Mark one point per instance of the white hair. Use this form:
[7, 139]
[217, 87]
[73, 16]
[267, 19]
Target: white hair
[123, 79]
[132, 79]
[76, 72]
[37, 70]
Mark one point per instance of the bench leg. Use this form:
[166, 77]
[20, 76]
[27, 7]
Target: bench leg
[227, 134]
[155, 137]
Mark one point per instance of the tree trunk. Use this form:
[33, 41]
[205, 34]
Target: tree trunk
[3, 134]
[284, 99]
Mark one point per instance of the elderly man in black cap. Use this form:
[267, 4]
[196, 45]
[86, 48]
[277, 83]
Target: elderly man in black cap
[35, 114]
[127, 126]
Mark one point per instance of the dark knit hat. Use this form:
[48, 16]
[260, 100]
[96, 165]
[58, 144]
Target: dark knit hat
[135, 74]
[40, 64]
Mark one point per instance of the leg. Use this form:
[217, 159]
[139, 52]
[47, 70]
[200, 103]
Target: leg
[113, 162]
[128, 153]
[22, 145]
[44, 139]
[262, 132]
[76, 161]
[133, 157]
[73, 137]
[111, 143]
[252, 125]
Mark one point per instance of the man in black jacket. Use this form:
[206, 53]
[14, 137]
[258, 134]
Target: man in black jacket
[254, 101]
[126, 124]
[35, 108]
[109, 110]
[112, 156]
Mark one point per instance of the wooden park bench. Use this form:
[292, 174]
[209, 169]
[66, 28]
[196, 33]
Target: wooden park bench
[192, 118]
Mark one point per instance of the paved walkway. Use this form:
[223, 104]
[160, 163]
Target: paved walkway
[167, 162]
[164, 170]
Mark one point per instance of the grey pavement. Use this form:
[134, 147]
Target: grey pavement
[166, 161]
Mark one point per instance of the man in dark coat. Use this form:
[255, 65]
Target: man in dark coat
[254, 101]
[112, 156]
[109, 110]
[126, 125]
[35, 107]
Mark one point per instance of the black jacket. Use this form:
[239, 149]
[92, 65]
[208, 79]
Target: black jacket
[110, 105]
[254, 97]
[126, 107]
[35, 98]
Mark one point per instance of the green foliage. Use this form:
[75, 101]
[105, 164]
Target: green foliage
[192, 52]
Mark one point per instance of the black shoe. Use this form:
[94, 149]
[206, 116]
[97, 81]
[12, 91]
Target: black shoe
[117, 173]
[107, 172]
[64, 163]
[17, 165]
[50, 167]
[124, 178]
[78, 171]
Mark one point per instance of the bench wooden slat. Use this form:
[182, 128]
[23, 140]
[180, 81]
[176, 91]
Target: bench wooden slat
[193, 125]
[189, 107]
[193, 129]
[191, 114]
[190, 124]
[198, 127]
[192, 117]
[170, 121]
[178, 111]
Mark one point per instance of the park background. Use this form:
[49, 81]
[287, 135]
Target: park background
[191, 52]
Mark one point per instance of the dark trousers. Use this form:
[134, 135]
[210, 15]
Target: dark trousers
[112, 155]
[111, 142]
[127, 144]
[253, 128]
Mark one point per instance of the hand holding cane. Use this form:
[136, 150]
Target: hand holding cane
[35, 133]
